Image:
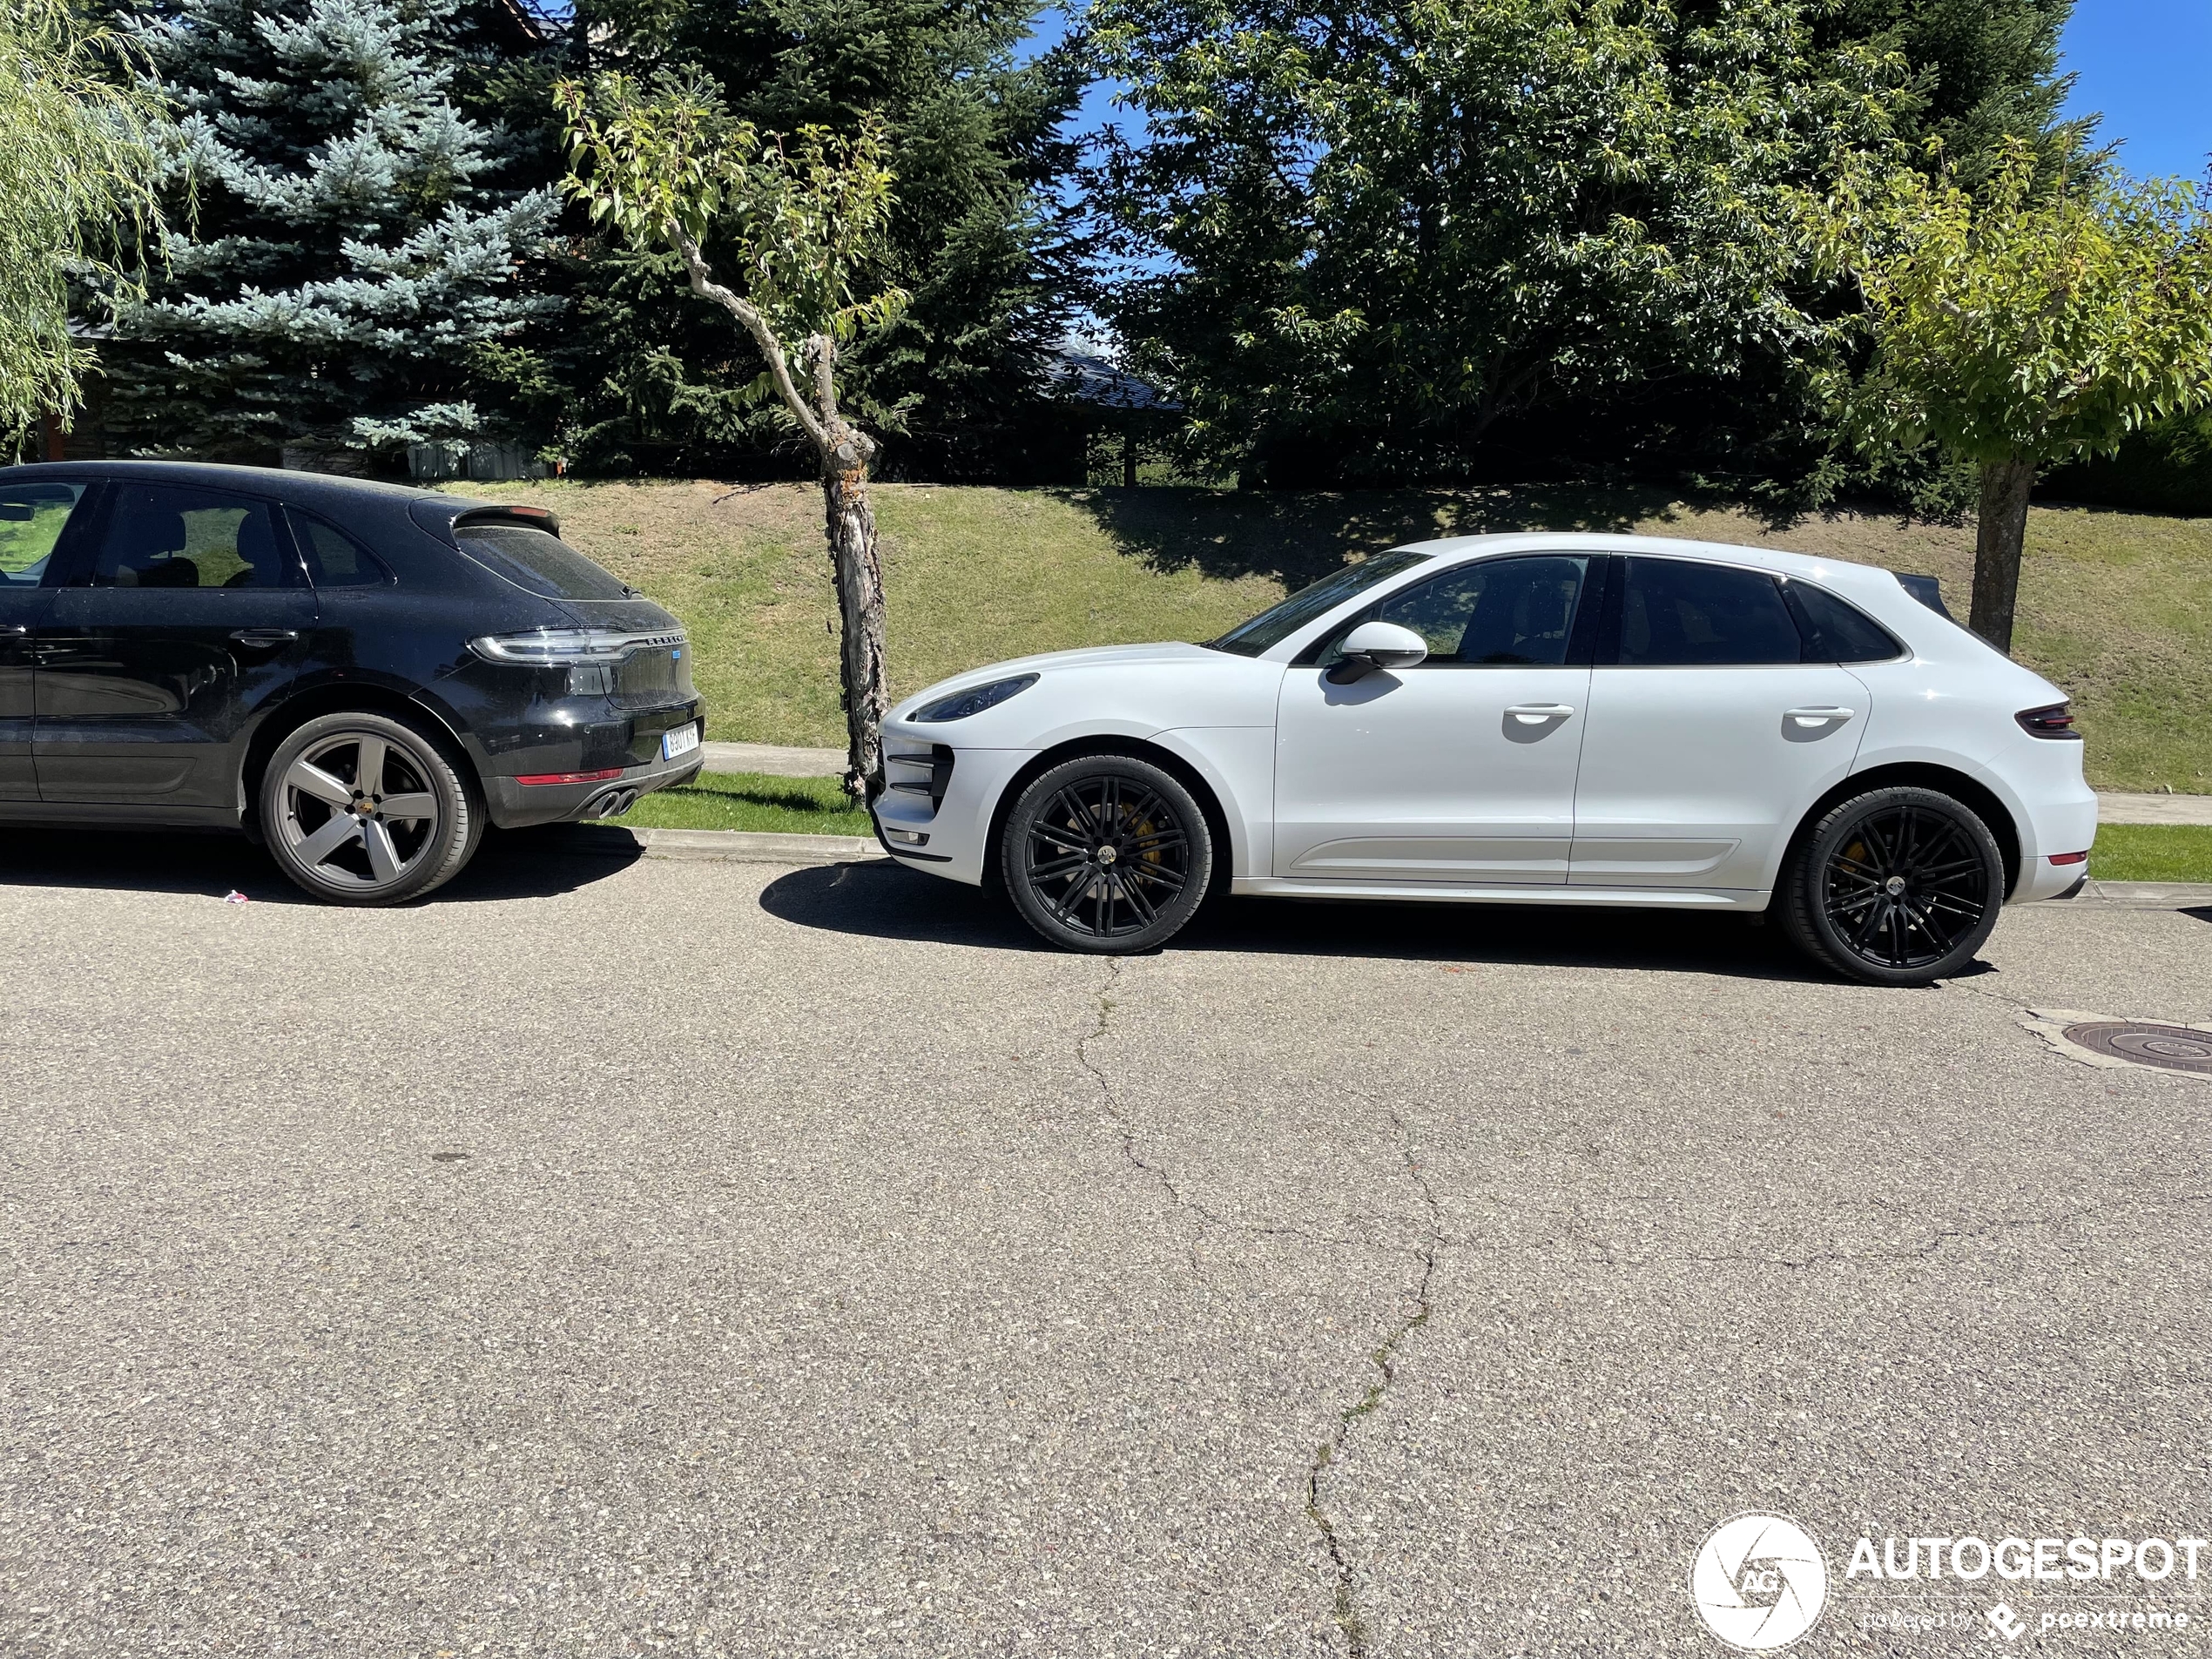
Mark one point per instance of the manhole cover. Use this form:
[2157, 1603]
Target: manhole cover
[2175, 1047]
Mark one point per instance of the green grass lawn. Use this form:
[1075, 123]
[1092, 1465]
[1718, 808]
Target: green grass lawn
[2152, 853]
[2115, 607]
[751, 800]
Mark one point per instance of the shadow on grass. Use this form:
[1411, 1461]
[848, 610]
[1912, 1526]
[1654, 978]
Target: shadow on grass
[518, 864]
[1298, 537]
[883, 900]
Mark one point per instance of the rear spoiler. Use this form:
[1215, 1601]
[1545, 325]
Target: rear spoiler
[1925, 588]
[535, 518]
[443, 515]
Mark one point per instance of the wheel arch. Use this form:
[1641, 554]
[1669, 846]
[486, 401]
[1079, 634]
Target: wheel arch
[356, 697]
[1167, 760]
[1921, 774]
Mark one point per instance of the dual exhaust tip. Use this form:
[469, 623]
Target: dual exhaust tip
[613, 803]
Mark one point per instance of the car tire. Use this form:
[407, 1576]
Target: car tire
[1107, 855]
[314, 779]
[1895, 887]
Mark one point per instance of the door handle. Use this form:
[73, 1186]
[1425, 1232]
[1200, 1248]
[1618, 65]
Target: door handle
[1819, 716]
[266, 637]
[14, 628]
[1530, 713]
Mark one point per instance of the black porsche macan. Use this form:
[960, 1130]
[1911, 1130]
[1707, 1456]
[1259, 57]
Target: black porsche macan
[357, 674]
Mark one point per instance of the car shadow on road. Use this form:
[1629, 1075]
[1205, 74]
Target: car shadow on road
[883, 901]
[518, 864]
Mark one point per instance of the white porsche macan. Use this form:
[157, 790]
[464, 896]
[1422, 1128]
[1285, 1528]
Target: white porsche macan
[1520, 719]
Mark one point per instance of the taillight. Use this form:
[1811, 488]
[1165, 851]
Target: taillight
[2055, 721]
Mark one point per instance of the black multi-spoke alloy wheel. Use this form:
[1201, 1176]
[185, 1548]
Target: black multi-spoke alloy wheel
[1106, 854]
[1896, 886]
[364, 809]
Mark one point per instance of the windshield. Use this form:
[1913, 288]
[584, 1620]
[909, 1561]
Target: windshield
[1273, 626]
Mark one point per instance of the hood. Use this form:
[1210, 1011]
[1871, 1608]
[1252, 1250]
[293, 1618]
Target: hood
[1083, 657]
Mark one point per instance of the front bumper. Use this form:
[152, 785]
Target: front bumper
[516, 805]
[946, 796]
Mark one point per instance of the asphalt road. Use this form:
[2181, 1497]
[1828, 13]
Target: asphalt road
[711, 1259]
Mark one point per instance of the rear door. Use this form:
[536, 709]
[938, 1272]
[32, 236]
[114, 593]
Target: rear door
[1708, 732]
[32, 519]
[183, 620]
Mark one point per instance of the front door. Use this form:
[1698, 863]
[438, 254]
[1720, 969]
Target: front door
[186, 617]
[32, 517]
[1460, 771]
[1707, 735]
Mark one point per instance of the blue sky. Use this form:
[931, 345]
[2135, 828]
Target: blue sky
[2146, 66]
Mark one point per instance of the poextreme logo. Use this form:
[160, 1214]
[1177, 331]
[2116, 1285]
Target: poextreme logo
[1759, 1582]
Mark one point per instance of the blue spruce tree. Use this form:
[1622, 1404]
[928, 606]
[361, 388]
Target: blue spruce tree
[351, 241]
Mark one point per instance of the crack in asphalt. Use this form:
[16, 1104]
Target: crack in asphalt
[1126, 1125]
[1385, 1359]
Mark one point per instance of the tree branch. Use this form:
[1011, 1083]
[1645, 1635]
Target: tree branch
[705, 286]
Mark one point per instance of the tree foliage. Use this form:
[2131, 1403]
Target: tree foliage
[1386, 230]
[645, 378]
[2020, 325]
[351, 243]
[80, 148]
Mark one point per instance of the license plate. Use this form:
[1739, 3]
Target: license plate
[681, 740]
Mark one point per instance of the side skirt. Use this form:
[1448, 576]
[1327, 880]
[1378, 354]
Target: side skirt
[1752, 898]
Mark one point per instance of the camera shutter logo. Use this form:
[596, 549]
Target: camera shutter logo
[1759, 1582]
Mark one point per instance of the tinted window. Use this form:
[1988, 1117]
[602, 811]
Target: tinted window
[31, 517]
[163, 535]
[1837, 633]
[1674, 613]
[334, 559]
[1494, 611]
[538, 561]
[1273, 626]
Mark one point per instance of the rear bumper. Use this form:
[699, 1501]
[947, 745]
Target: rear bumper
[517, 806]
[2062, 823]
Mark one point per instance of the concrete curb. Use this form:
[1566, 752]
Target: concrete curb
[731, 847]
[2141, 895]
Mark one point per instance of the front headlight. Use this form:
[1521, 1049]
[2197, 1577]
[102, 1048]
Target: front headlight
[975, 699]
[569, 647]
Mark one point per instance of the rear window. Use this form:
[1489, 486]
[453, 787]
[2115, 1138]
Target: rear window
[541, 562]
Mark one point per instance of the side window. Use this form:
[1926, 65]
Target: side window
[334, 559]
[1495, 612]
[31, 519]
[1836, 631]
[168, 536]
[1675, 613]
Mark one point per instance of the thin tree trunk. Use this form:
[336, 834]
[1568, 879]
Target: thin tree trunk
[1998, 539]
[859, 605]
[846, 452]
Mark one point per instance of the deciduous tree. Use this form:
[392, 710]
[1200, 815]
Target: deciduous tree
[801, 220]
[79, 152]
[2021, 325]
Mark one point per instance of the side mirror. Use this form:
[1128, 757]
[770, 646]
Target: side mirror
[1376, 644]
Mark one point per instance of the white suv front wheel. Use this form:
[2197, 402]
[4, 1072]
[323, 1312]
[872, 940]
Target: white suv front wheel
[1106, 854]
